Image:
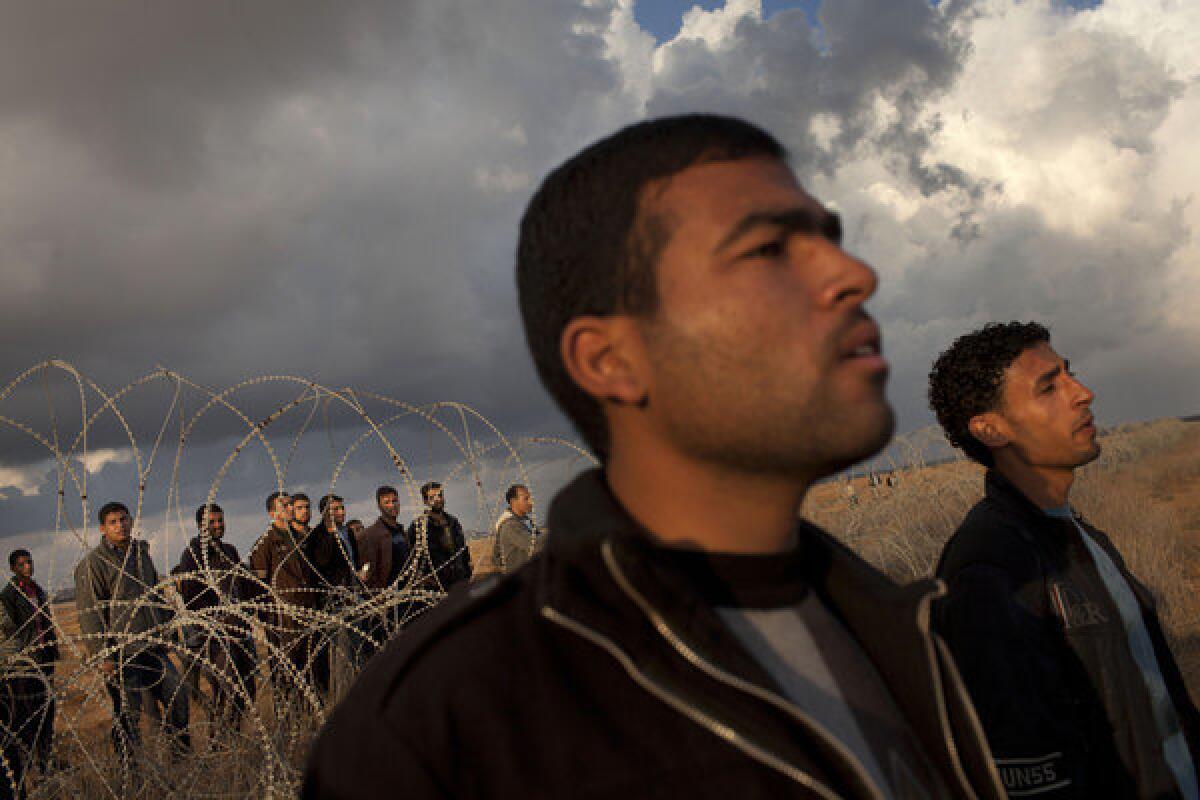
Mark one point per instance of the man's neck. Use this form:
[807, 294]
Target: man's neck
[687, 504]
[1045, 487]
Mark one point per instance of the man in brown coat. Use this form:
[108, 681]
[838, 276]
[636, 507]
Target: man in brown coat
[286, 567]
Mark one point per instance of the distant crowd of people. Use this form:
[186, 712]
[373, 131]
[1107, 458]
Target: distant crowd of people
[294, 571]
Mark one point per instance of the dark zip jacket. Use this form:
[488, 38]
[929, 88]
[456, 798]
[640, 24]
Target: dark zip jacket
[1043, 650]
[594, 671]
[25, 617]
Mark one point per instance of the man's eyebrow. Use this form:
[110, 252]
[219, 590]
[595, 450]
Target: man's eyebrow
[793, 220]
[1048, 375]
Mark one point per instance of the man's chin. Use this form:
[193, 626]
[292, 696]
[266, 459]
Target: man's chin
[862, 438]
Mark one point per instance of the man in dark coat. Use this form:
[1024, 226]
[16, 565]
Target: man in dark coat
[437, 539]
[29, 625]
[1059, 644]
[691, 309]
[211, 581]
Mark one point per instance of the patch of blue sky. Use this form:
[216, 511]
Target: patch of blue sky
[663, 18]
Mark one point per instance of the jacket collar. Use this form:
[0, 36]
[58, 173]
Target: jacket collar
[890, 622]
[1030, 519]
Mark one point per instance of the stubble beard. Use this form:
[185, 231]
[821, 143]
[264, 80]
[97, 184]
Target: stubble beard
[751, 418]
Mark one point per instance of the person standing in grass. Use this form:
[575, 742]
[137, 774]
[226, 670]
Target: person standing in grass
[683, 634]
[27, 626]
[124, 619]
[1060, 646]
[209, 583]
[447, 559]
[515, 537]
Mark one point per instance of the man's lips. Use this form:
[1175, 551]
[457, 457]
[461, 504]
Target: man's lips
[1088, 424]
[863, 347]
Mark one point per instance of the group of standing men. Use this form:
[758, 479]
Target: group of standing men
[294, 576]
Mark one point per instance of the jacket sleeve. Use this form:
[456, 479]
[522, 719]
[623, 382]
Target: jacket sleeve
[189, 587]
[999, 645]
[92, 597]
[464, 558]
[512, 542]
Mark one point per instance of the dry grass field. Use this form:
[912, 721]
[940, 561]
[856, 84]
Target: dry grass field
[1144, 491]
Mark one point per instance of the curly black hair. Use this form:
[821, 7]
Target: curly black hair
[967, 379]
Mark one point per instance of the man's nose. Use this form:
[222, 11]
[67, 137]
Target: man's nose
[851, 280]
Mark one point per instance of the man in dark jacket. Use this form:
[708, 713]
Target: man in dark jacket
[383, 547]
[28, 623]
[436, 537]
[690, 308]
[1060, 646]
[211, 580]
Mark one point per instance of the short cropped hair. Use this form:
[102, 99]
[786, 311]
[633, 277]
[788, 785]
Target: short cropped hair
[585, 249]
[429, 487]
[384, 490]
[298, 496]
[211, 508]
[272, 497]
[20, 552]
[111, 507]
[324, 502]
[511, 494]
[968, 379]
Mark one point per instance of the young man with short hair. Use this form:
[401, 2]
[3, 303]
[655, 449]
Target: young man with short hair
[27, 624]
[342, 568]
[690, 308]
[121, 610]
[280, 561]
[1060, 646]
[208, 578]
[438, 535]
[515, 537]
[384, 547]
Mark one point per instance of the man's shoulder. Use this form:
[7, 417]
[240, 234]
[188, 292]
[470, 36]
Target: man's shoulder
[479, 633]
[993, 537]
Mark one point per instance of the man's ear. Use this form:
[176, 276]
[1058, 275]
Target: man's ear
[990, 429]
[601, 354]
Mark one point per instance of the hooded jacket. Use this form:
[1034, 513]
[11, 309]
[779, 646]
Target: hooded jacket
[592, 672]
[1046, 657]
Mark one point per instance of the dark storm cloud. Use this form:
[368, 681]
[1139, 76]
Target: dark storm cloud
[327, 190]
[331, 190]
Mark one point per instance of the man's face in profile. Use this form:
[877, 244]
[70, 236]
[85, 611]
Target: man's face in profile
[522, 504]
[1046, 412]
[763, 357]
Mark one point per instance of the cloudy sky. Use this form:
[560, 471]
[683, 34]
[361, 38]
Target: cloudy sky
[331, 190]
